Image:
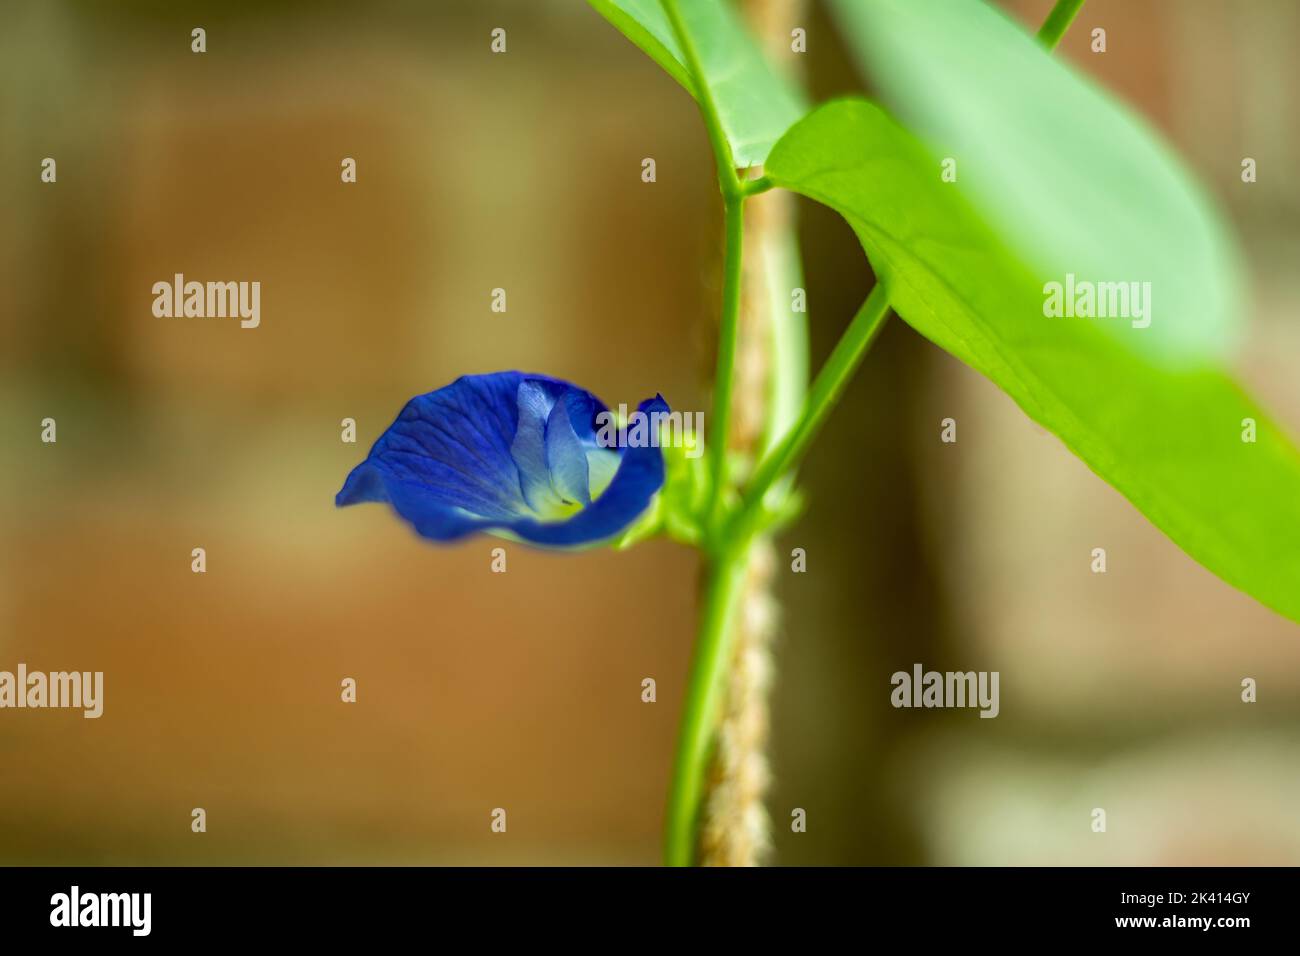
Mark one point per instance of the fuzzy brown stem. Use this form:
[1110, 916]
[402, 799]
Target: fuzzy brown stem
[736, 830]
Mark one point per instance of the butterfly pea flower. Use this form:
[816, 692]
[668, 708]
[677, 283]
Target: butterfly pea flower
[511, 454]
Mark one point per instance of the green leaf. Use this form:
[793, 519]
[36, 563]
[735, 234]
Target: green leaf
[1071, 178]
[755, 103]
[1169, 439]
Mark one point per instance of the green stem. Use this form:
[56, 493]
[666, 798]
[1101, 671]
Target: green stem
[726, 578]
[825, 393]
[733, 195]
[729, 543]
[727, 177]
[1058, 21]
[725, 563]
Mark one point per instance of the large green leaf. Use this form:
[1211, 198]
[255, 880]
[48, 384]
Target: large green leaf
[1072, 179]
[755, 103]
[1170, 439]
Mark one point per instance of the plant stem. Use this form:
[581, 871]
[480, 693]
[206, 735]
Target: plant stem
[725, 560]
[1058, 21]
[733, 196]
[726, 575]
[729, 541]
[726, 578]
[727, 177]
[825, 393]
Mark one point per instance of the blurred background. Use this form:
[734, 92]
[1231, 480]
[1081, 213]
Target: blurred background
[522, 690]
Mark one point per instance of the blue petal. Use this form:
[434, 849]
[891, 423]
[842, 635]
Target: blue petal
[565, 457]
[640, 474]
[454, 444]
[505, 452]
[536, 402]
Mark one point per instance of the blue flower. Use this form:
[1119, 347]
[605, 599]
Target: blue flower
[508, 453]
